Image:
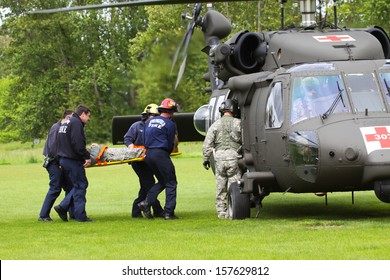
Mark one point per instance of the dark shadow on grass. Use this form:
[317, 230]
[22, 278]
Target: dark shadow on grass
[126, 217]
[335, 211]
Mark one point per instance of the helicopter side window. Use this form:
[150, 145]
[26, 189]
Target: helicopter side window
[210, 112]
[274, 109]
[315, 96]
[217, 114]
[364, 92]
[385, 81]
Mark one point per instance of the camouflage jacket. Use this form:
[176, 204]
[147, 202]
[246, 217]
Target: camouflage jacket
[223, 136]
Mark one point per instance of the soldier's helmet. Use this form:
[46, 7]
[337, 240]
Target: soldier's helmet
[311, 84]
[229, 105]
[168, 105]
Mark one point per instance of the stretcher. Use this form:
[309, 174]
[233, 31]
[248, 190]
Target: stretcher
[104, 156]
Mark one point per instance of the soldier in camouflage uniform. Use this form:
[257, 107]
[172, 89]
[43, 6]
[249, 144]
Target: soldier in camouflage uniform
[224, 139]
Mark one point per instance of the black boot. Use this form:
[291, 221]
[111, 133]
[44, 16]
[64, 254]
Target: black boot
[145, 208]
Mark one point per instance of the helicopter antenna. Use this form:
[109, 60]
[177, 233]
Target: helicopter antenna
[282, 13]
[320, 10]
[335, 13]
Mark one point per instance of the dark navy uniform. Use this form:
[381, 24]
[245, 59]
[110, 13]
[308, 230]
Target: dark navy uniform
[159, 138]
[57, 179]
[73, 154]
[146, 179]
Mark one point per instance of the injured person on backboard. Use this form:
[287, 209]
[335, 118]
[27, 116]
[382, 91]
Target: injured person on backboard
[102, 155]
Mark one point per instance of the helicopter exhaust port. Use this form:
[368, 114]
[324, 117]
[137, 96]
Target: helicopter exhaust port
[244, 53]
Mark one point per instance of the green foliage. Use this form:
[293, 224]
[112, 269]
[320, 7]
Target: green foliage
[363, 13]
[16, 153]
[7, 116]
[119, 59]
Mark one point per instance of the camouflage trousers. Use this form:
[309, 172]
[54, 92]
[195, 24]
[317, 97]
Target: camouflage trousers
[226, 172]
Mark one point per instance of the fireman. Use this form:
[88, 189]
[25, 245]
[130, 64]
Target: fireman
[159, 141]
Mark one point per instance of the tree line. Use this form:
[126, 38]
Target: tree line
[117, 60]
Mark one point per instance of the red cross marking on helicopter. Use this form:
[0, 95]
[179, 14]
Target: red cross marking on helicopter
[381, 135]
[334, 38]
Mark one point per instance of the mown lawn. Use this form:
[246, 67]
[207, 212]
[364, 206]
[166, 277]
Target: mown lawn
[289, 226]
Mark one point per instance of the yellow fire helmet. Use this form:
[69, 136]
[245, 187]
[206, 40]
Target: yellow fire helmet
[151, 109]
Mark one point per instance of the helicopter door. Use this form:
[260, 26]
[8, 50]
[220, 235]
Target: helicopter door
[274, 141]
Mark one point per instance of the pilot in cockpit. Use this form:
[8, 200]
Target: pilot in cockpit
[304, 97]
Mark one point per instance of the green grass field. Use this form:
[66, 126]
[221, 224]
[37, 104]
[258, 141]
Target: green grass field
[289, 226]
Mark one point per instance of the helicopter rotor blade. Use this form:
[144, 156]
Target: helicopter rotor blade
[184, 58]
[120, 4]
[181, 71]
[186, 41]
[188, 30]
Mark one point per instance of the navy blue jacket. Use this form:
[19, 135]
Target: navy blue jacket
[160, 133]
[71, 139]
[135, 134]
[50, 148]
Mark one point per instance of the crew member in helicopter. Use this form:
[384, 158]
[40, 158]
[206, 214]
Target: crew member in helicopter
[224, 137]
[304, 100]
[159, 140]
[134, 139]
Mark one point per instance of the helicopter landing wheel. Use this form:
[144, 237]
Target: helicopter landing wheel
[239, 205]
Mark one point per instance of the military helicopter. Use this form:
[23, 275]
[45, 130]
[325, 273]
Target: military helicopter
[314, 104]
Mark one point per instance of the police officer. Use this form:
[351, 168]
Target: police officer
[224, 137]
[134, 139]
[159, 138]
[74, 157]
[57, 179]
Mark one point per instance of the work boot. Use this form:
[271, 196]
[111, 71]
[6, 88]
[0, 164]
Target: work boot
[45, 219]
[170, 217]
[145, 208]
[61, 212]
[85, 221]
[137, 216]
[159, 214]
[223, 215]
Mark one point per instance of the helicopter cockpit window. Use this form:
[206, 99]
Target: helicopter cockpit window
[274, 110]
[315, 96]
[385, 81]
[364, 92]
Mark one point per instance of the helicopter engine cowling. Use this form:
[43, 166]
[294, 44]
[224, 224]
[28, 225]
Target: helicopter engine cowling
[248, 52]
[382, 37]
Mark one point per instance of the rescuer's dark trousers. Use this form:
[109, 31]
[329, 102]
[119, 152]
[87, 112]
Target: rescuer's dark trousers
[161, 164]
[75, 171]
[146, 181]
[56, 184]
